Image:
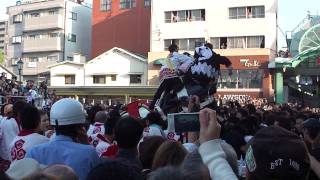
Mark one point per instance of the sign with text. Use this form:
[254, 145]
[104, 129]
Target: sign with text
[250, 63]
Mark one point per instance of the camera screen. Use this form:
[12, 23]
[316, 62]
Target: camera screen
[188, 122]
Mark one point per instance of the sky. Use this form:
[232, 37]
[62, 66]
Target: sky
[291, 13]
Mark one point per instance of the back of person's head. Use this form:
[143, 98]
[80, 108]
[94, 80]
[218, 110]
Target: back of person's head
[128, 133]
[209, 45]
[40, 176]
[8, 110]
[101, 117]
[112, 119]
[2, 109]
[17, 108]
[193, 167]
[92, 112]
[284, 122]
[155, 118]
[30, 118]
[312, 126]
[68, 118]
[147, 149]
[169, 153]
[173, 48]
[114, 170]
[276, 153]
[249, 125]
[61, 171]
[251, 109]
[167, 172]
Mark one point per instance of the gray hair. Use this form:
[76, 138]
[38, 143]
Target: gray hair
[193, 167]
[61, 171]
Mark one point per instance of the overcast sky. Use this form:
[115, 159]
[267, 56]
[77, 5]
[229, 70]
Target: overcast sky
[291, 12]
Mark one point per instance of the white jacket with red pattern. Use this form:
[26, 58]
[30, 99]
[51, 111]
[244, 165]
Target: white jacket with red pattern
[23, 142]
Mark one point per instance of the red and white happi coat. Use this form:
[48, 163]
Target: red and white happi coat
[23, 142]
[106, 148]
[93, 131]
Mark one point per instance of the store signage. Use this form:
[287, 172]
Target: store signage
[236, 97]
[248, 63]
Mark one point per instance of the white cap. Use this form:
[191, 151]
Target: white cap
[66, 112]
[22, 168]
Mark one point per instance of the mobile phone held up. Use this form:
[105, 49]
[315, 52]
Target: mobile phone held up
[183, 122]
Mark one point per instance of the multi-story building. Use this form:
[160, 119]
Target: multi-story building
[3, 35]
[43, 32]
[244, 31]
[121, 23]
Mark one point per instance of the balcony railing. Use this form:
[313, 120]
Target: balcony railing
[42, 45]
[43, 22]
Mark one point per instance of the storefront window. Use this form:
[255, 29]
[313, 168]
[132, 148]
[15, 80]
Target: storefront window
[241, 79]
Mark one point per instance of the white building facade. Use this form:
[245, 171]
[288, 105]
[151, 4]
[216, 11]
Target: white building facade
[116, 67]
[228, 24]
[245, 31]
[42, 33]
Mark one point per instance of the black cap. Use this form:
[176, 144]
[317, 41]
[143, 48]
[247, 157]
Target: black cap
[312, 123]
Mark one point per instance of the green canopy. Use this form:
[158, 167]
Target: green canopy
[309, 47]
[159, 61]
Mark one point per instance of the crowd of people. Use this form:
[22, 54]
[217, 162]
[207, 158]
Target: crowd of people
[235, 141]
[232, 137]
[12, 90]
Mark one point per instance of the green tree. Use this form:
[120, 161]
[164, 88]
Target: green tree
[1, 57]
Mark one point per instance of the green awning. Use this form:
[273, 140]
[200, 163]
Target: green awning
[159, 61]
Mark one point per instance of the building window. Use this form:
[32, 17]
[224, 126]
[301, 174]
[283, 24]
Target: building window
[258, 12]
[184, 44]
[246, 12]
[33, 59]
[147, 3]
[73, 15]
[255, 42]
[53, 35]
[238, 42]
[34, 36]
[52, 58]
[17, 18]
[69, 58]
[72, 37]
[135, 79]
[34, 15]
[16, 40]
[14, 61]
[112, 77]
[125, 4]
[247, 79]
[99, 79]
[69, 79]
[185, 16]
[105, 5]
[53, 12]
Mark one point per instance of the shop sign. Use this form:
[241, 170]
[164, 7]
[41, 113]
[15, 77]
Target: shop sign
[248, 63]
[236, 97]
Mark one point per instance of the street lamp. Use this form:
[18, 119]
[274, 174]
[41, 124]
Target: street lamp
[20, 67]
